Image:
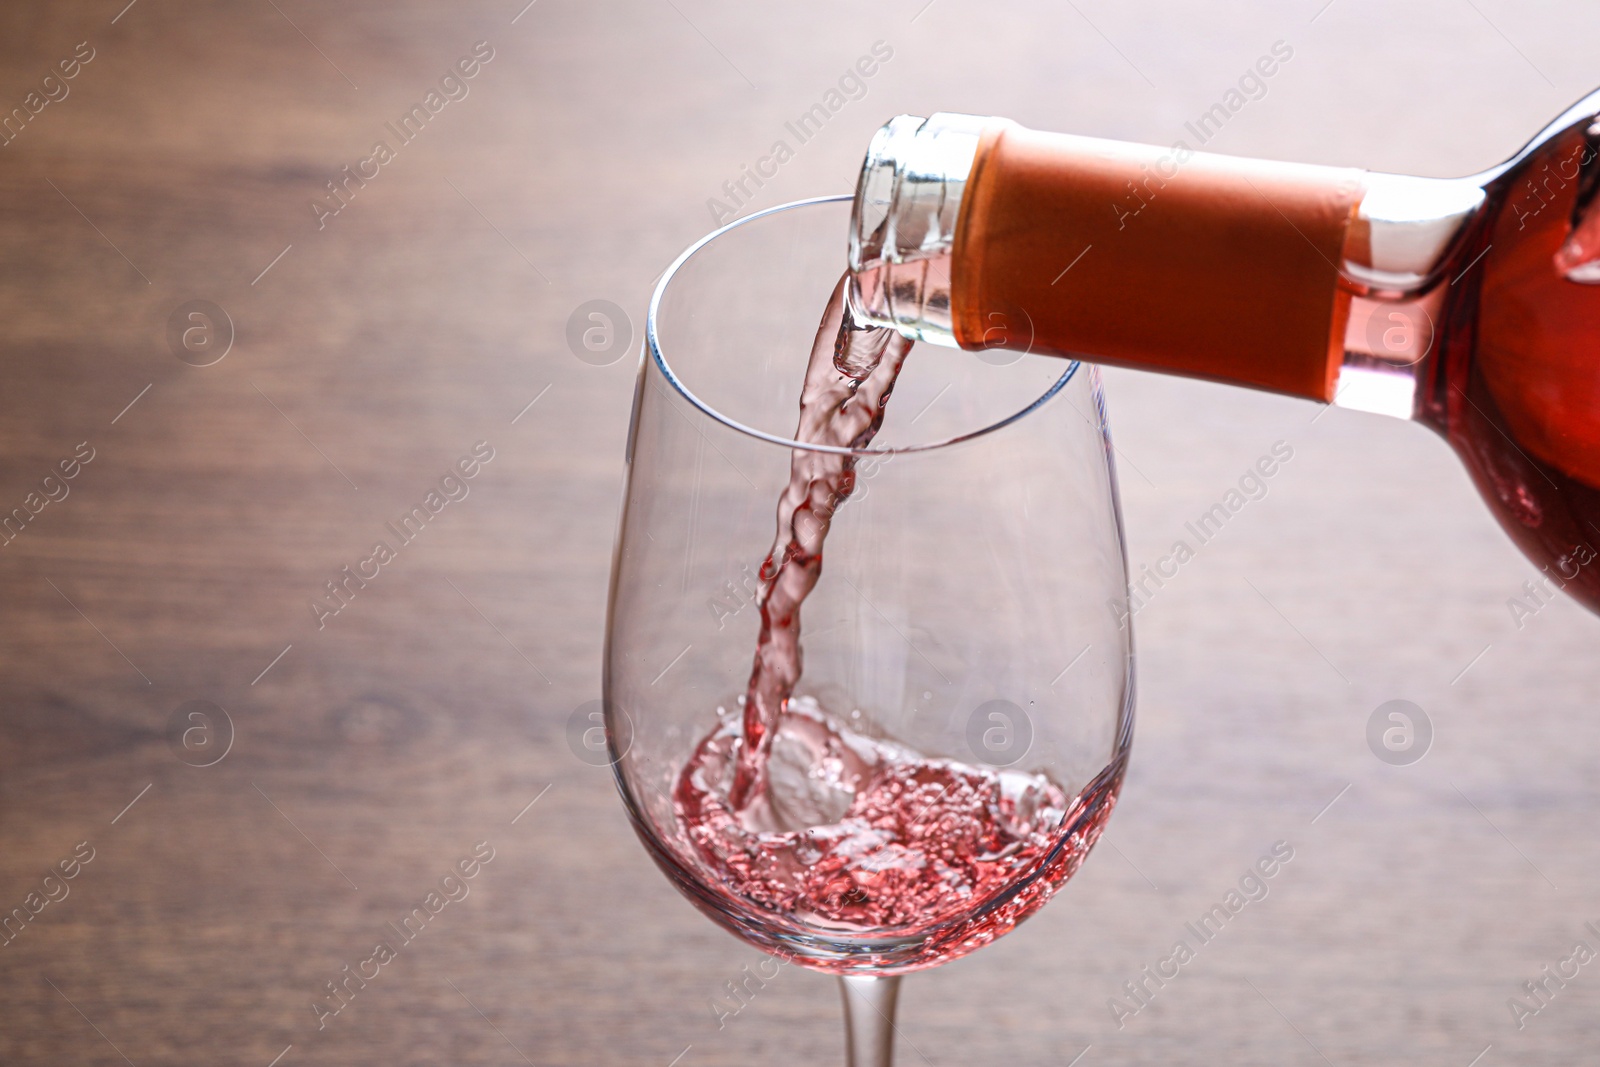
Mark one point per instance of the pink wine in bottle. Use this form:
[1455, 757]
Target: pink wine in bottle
[1471, 305]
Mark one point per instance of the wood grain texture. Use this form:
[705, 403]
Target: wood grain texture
[381, 748]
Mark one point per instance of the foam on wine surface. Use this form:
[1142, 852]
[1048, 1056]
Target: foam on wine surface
[862, 834]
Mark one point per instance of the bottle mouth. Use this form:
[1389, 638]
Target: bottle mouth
[903, 223]
[1007, 406]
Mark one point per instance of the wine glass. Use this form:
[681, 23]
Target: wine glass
[957, 736]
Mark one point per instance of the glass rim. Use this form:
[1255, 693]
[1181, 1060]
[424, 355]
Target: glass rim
[654, 353]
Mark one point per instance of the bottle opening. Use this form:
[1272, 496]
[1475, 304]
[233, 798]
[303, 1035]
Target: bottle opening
[903, 223]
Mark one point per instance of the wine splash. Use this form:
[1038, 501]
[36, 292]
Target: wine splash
[861, 835]
[808, 817]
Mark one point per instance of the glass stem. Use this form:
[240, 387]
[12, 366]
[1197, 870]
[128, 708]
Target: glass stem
[869, 1004]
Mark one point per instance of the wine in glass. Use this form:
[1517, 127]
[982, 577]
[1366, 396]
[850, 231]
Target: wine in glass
[927, 759]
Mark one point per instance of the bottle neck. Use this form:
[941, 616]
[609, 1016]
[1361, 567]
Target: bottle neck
[903, 224]
[1315, 281]
[1392, 285]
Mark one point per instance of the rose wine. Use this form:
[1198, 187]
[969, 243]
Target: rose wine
[849, 380]
[1471, 305]
[1515, 383]
[859, 835]
[819, 823]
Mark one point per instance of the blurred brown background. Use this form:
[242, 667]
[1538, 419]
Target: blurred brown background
[369, 354]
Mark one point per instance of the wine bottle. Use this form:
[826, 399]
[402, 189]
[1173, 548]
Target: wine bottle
[1471, 305]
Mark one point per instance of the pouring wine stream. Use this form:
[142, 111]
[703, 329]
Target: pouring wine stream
[849, 379]
[820, 817]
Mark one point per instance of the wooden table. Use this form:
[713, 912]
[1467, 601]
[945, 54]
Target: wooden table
[374, 749]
